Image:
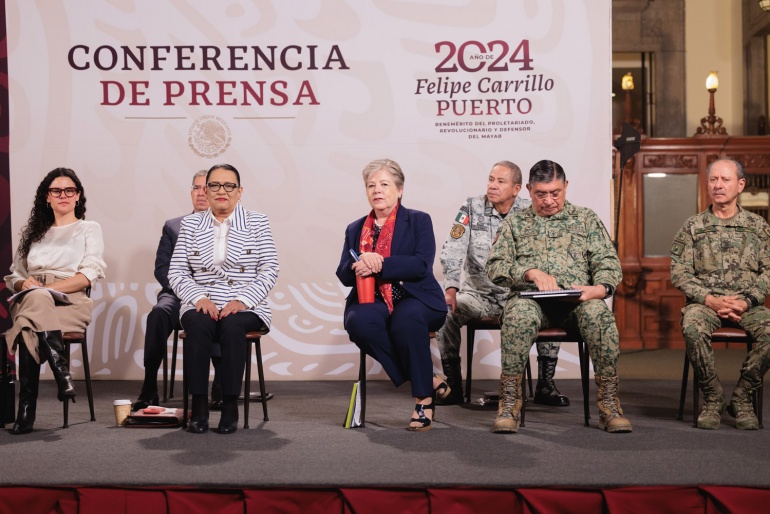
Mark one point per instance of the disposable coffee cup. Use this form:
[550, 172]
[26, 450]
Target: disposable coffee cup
[122, 410]
[365, 288]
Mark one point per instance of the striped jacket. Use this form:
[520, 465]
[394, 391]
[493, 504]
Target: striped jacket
[248, 273]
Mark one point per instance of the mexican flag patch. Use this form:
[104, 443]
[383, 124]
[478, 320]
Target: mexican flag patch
[462, 218]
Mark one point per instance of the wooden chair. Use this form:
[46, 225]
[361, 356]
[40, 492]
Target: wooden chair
[721, 335]
[362, 382]
[559, 335]
[484, 323]
[68, 338]
[252, 338]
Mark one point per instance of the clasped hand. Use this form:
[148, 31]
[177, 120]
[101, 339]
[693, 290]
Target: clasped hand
[370, 263]
[206, 306]
[727, 307]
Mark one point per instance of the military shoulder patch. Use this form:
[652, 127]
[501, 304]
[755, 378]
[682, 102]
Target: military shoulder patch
[457, 231]
[677, 248]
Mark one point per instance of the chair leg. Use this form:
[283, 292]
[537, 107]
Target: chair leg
[184, 386]
[260, 369]
[695, 399]
[247, 388]
[683, 393]
[66, 400]
[471, 341]
[173, 365]
[583, 357]
[87, 371]
[3, 379]
[528, 374]
[165, 375]
[362, 387]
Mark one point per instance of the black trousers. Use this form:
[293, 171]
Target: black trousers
[229, 334]
[161, 321]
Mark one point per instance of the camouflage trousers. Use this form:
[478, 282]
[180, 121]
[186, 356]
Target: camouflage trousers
[523, 318]
[699, 321]
[471, 305]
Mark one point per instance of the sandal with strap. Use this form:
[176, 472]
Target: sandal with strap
[424, 421]
[441, 391]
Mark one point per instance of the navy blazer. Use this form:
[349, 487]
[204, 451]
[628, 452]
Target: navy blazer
[165, 250]
[411, 258]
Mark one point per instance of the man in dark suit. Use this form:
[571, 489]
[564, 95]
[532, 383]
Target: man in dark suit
[164, 316]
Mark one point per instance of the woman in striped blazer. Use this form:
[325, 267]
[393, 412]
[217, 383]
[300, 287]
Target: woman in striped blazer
[223, 267]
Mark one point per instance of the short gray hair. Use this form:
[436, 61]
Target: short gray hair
[199, 173]
[515, 170]
[388, 165]
[738, 167]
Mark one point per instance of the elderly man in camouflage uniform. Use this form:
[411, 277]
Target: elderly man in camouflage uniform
[472, 295]
[556, 245]
[720, 260]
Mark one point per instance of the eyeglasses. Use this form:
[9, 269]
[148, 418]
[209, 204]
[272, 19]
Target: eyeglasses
[56, 192]
[215, 186]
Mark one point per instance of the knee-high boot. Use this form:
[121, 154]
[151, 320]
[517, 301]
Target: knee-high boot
[29, 381]
[51, 347]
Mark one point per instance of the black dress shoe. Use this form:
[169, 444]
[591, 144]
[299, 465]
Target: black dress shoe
[199, 418]
[228, 423]
[198, 425]
[215, 405]
[145, 401]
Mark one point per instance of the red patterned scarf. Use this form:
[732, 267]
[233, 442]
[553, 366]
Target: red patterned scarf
[384, 242]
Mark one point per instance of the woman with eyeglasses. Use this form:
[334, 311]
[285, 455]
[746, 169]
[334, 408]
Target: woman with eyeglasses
[60, 252]
[223, 267]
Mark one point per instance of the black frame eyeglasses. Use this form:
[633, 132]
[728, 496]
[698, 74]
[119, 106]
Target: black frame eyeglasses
[216, 186]
[56, 192]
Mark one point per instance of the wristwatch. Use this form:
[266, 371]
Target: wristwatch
[607, 291]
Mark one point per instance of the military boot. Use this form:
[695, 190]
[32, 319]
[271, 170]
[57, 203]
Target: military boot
[741, 407]
[713, 404]
[509, 407]
[454, 380]
[546, 392]
[610, 414]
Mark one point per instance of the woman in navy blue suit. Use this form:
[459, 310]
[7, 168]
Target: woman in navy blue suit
[397, 246]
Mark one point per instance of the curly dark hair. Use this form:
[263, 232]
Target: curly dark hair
[41, 217]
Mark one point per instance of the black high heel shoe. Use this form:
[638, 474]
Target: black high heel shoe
[424, 421]
[441, 391]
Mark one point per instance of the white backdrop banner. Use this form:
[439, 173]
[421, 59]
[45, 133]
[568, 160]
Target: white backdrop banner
[299, 96]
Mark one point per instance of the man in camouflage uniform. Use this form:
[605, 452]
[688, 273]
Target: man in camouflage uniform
[556, 245]
[472, 295]
[720, 260]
